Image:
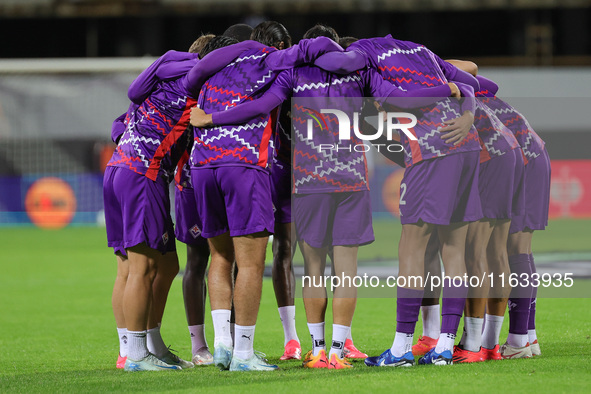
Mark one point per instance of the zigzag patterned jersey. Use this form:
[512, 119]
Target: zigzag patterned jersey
[495, 138]
[156, 133]
[530, 142]
[249, 144]
[318, 167]
[412, 66]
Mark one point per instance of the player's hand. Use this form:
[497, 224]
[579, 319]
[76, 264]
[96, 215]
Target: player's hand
[457, 129]
[199, 118]
[455, 91]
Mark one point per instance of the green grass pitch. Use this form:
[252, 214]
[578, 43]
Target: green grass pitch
[57, 332]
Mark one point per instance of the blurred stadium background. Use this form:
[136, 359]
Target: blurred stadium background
[65, 66]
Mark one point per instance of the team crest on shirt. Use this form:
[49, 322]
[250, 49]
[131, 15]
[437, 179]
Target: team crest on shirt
[195, 231]
[165, 238]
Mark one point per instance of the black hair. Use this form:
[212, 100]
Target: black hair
[346, 41]
[239, 31]
[321, 30]
[271, 33]
[216, 43]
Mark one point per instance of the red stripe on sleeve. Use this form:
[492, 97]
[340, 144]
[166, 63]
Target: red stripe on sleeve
[269, 129]
[168, 141]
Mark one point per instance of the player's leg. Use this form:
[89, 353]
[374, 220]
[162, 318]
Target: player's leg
[351, 228]
[115, 236]
[284, 287]
[167, 270]
[477, 240]
[460, 200]
[139, 203]
[188, 231]
[350, 351]
[409, 294]
[246, 190]
[453, 244]
[498, 266]
[137, 302]
[315, 302]
[343, 303]
[312, 215]
[537, 184]
[194, 294]
[117, 303]
[250, 259]
[220, 296]
[282, 272]
[213, 223]
[519, 247]
[430, 309]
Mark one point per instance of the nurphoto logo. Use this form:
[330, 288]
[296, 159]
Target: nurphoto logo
[402, 121]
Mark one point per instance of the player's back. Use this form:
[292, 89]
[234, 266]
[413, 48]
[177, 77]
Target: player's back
[246, 78]
[154, 131]
[495, 138]
[529, 141]
[325, 163]
[412, 66]
[404, 63]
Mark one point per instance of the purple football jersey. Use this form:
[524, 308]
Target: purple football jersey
[412, 66]
[495, 138]
[156, 133]
[248, 77]
[530, 142]
[318, 166]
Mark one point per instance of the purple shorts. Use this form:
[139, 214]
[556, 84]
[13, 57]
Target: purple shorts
[442, 190]
[233, 198]
[536, 195]
[137, 210]
[496, 182]
[186, 228]
[337, 219]
[281, 191]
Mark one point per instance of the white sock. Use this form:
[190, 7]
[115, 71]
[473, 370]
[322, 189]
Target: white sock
[137, 347]
[492, 331]
[243, 345]
[431, 321]
[532, 336]
[198, 340]
[402, 344]
[122, 334]
[517, 340]
[339, 336]
[221, 327]
[317, 334]
[155, 343]
[445, 342]
[472, 337]
[287, 315]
